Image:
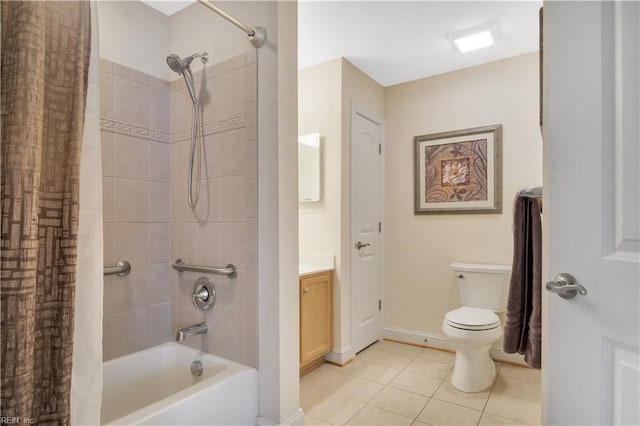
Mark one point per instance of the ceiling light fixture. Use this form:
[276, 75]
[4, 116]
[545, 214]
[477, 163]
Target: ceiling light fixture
[473, 38]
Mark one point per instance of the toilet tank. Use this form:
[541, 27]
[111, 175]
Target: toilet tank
[483, 286]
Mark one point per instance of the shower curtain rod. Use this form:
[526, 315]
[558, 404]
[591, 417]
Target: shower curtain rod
[257, 35]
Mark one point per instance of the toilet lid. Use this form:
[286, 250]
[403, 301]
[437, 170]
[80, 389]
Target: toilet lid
[468, 318]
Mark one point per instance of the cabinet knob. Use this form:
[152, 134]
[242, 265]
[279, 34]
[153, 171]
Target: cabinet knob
[306, 290]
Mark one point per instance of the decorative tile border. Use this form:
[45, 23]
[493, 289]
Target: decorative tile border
[114, 126]
[132, 130]
[215, 127]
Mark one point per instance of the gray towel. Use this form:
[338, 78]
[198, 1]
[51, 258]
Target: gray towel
[522, 331]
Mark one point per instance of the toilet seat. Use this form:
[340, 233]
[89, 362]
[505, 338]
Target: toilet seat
[473, 319]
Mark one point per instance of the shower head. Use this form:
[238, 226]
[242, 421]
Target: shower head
[176, 64]
[180, 65]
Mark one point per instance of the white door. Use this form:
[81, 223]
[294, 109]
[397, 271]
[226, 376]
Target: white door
[591, 212]
[366, 217]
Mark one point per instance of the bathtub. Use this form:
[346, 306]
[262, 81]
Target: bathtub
[156, 387]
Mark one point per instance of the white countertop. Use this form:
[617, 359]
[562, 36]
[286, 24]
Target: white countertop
[305, 270]
[314, 263]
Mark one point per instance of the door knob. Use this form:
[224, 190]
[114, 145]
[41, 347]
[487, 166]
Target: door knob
[566, 286]
[359, 245]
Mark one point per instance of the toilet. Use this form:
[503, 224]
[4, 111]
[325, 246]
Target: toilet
[474, 327]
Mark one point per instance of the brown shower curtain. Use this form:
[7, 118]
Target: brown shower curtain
[45, 61]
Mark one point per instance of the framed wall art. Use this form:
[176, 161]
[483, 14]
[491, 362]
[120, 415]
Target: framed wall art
[458, 171]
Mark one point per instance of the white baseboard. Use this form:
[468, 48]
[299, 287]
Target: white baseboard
[418, 338]
[296, 419]
[341, 356]
[440, 341]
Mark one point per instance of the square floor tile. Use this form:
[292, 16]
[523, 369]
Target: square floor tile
[437, 355]
[391, 359]
[416, 383]
[310, 397]
[312, 421]
[521, 373]
[447, 392]
[375, 416]
[437, 370]
[440, 413]
[515, 399]
[491, 420]
[335, 410]
[401, 348]
[399, 401]
[324, 379]
[377, 373]
[358, 389]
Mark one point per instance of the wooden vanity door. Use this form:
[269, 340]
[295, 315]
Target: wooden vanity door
[315, 318]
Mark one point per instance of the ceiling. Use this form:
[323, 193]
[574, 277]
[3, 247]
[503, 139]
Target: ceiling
[395, 41]
[398, 41]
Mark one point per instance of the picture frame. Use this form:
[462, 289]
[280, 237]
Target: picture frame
[458, 171]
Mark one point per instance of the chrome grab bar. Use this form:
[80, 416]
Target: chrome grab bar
[121, 269]
[230, 270]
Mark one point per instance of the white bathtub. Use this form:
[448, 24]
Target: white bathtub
[156, 387]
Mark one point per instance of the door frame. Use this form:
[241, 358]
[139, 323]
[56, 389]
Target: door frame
[358, 109]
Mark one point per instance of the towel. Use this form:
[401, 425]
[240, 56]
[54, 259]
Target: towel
[523, 327]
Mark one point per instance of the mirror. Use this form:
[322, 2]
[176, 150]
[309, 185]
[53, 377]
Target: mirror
[309, 168]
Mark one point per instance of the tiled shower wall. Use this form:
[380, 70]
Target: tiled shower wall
[222, 229]
[134, 119]
[146, 135]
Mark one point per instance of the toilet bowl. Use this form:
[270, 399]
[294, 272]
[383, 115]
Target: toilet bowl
[473, 331]
[475, 327]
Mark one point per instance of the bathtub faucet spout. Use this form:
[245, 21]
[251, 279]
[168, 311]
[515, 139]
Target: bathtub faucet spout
[201, 328]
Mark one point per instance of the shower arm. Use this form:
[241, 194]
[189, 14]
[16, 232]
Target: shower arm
[257, 35]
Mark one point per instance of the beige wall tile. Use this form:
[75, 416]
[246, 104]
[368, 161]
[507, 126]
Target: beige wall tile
[184, 241]
[227, 93]
[159, 242]
[132, 331]
[159, 84]
[233, 340]
[159, 161]
[252, 82]
[181, 107]
[230, 194]
[106, 144]
[106, 95]
[130, 74]
[234, 244]
[180, 155]
[130, 200]
[109, 337]
[252, 120]
[159, 197]
[131, 242]
[123, 294]
[252, 349]
[252, 56]
[209, 241]
[106, 66]
[130, 157]
[232, 294]
[130, 102]
[251, 170]
[107, 199]
[160, 290]
[159, 110]
[160, 330]
[233, 153]
[108, 244]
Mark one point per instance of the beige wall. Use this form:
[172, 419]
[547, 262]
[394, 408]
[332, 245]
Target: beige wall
[135, 35]
[326, 92]
[419, 284]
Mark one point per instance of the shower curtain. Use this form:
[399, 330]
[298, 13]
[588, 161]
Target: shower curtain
[86, 375]
[45, 61]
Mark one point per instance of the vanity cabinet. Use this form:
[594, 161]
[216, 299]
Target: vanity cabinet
[316, 300]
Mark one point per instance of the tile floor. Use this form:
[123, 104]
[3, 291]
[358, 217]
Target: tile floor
[395, 384]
